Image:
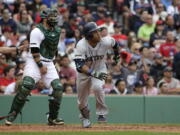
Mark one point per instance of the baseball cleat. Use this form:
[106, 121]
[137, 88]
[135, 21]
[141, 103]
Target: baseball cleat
[102, 119]
[86, 123]
[8, 123]
[55, 121]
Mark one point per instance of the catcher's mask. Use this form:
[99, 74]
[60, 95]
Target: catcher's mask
[89, 28]
[50, 15]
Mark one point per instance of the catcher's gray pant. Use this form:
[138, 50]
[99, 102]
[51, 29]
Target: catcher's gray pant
[84, 87]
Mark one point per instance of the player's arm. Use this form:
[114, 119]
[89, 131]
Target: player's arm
[115, 48]
[111, 43]
[36, 56]
[83, 68]
[36, 37]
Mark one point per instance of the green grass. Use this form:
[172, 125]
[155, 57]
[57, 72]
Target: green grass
[91, 133]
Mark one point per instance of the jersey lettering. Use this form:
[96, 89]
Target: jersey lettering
[95, 58]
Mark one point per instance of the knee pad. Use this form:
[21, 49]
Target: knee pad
[27, 85]
[57, 89]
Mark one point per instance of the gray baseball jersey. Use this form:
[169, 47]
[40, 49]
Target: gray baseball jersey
[95, 59]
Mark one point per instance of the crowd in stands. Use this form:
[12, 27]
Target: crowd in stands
[148, 33]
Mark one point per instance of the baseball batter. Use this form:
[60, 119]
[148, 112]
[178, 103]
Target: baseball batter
[43, 46]
[90, 56]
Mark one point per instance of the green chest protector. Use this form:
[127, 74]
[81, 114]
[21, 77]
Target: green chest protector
[48, 46]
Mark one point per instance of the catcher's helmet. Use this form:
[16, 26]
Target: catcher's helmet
[50, 15]
[89, 28]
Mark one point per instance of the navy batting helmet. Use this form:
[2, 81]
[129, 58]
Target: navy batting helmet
[50, 15]
[89, 28]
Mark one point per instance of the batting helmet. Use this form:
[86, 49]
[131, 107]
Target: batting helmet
[89, 28]
[50, 15]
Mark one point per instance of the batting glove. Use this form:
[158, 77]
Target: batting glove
[99, 75]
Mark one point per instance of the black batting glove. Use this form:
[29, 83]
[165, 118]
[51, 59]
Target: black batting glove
[99, 75]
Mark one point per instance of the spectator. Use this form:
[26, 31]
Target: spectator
[37, 17]
[25, 50]
[35, 5]
[120, 88]
[138, 88]
[166, 2]
[170, 24]
[61, 44]
[173, 9]
[116, 72]
[172, 83]
[70, 25]
[80, 8]
[163, 88]
[108, 23]
[119, 35]
[125, 58]
[100, 14]
[6, 22]
[138, 19]
[146, 56]
[135, 50]
[168, 49]
[149, 88]
[131, 75]
[22, 6]
[158, 36]
[20, 64]
[177, 32]
[87, 17]
[108, 86]
[40, 88]
[77, 34]
[3, 64]
[146, 30]
[24, 23]
[8, 78]
[159, 9]
[13, 87]
[145, 73]
[67, 74]
[176, 60]
[131, 39]
[7, 37]
[103, 31]
[70, 45]
[146, 4]
[156, 70]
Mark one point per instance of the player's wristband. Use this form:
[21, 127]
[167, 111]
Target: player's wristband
[39, 63]
[89, 72]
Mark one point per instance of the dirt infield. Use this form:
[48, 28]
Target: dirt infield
[95, 127]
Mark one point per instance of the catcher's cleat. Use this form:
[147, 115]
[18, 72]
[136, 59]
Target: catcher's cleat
[8, 123]
[56, 121]
[10, 118]
[86, 123]
[101, 119]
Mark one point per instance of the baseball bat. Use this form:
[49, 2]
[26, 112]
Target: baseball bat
[6, 116]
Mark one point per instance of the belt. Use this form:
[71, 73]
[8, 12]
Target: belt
[46, 60]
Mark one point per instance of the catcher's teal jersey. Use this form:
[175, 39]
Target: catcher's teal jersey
[48, 46]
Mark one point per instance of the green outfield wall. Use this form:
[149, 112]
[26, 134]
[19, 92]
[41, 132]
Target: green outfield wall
[122, 109]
